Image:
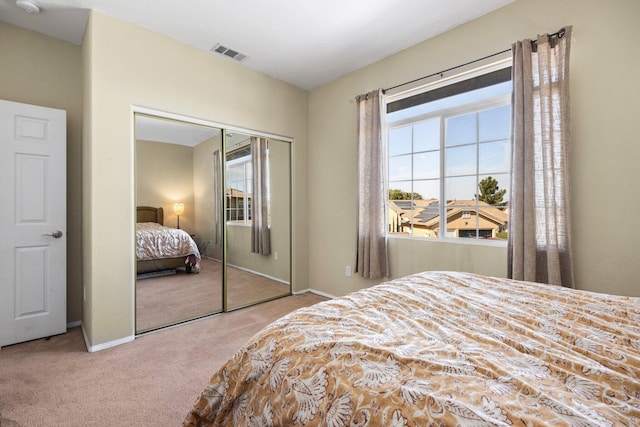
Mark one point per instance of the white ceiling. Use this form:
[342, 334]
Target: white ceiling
[171, 131]
[303, 42]
[159, 129]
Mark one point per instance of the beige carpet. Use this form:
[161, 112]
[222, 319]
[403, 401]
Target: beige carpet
[152, 381]
[169, 299]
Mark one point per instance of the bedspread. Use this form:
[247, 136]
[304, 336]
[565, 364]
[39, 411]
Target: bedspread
[438, 349]
[154, 241]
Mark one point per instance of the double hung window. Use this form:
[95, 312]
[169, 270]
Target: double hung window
[449, 160]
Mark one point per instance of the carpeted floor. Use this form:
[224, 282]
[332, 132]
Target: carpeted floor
[152, 381]
[164, 300]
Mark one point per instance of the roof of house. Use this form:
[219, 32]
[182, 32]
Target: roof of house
[426, 212]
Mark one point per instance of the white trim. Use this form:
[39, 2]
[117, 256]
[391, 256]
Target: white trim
[224, 127]
[175, 325]
[257, 273]
[446, 81]
[84, 335]
[455, 240]
[133, 194]
[292, 215]
[103, 346]
[189, 119]
[445, 113]
[313, 291]
[75, 324]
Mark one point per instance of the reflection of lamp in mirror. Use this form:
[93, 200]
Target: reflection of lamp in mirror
[178, 209]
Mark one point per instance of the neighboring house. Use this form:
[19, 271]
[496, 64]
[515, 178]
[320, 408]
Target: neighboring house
[236, 208]
[462, 216]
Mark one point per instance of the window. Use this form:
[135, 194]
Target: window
[449, 160]
[239, 184]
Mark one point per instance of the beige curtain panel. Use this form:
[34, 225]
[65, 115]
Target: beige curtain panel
[539, 210]
[371, 253]
[260, 231]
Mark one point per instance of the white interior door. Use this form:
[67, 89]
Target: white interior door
[33, 278]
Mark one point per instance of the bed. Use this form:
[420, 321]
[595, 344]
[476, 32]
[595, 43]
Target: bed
[160, 248]
[438, 349]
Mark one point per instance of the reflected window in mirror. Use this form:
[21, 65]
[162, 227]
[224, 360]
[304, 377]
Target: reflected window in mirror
[239, 184]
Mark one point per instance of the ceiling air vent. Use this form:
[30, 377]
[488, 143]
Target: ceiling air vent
[230, 53]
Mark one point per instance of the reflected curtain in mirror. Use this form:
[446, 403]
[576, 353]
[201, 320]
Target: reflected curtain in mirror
[260, 232]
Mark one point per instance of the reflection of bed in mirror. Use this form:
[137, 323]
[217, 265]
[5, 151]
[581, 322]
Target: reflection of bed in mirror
[161, 248]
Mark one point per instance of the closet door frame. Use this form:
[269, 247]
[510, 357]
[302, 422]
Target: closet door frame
[223, 128]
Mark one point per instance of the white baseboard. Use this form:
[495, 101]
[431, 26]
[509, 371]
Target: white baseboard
[257, 273]
[313, 291]
[103, 346]
[248, 270]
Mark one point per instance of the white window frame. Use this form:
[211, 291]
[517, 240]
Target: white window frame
[247, 176]
[462, 109]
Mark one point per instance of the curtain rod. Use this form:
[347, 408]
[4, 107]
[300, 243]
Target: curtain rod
[534, 44]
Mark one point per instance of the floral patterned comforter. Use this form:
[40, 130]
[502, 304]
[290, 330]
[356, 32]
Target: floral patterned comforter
[154, 241]
[438, 349]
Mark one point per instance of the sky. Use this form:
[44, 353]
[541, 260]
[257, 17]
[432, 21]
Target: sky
[476, 144]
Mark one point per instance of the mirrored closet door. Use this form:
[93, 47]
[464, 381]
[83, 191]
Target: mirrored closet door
[213, 220]
[258, 218]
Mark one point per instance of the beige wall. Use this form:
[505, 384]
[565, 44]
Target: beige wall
[43, 71]
[606, 145]
[164, 175]
[120, 65]
[128, 66]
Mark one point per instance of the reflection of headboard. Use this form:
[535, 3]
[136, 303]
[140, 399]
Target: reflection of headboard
[150, 214]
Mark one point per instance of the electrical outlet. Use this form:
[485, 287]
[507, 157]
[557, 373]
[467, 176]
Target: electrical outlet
[84, 294]
[275, 256]
[347, 271]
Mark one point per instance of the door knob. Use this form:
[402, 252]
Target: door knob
[56, 234]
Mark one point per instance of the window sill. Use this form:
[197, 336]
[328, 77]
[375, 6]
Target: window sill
[459, 241]
[238, 224]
